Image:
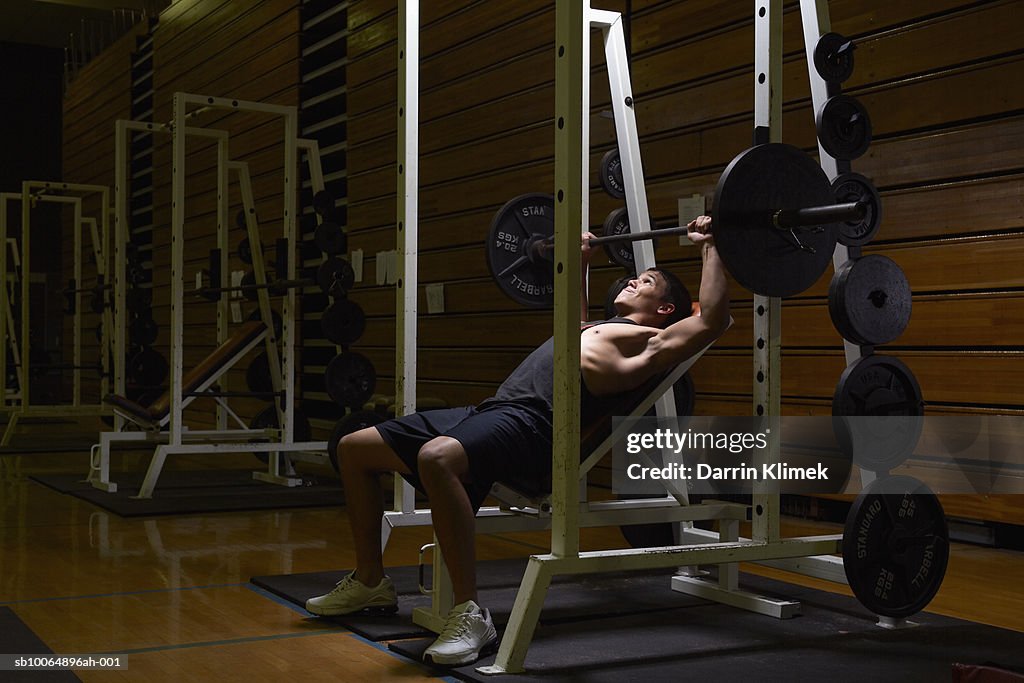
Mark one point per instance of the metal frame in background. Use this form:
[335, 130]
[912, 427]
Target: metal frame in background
[177, 439]
[9, 333]
[33, 191]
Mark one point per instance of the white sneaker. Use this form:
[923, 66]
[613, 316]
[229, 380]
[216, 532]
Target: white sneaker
[467, 635]
[350, 595]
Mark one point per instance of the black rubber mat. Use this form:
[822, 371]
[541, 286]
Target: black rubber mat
[571, 598]
[18, 639]
[834, 639]
[179, 493]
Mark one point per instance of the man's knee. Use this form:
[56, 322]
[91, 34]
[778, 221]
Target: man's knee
[442, 456]
[355, 451]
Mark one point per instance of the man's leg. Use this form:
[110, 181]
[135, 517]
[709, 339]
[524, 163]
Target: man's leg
[362, 457]
[443, 466]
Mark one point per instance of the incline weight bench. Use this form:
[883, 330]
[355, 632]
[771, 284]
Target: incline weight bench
[522, 507]
[154, 417]
[193, 383]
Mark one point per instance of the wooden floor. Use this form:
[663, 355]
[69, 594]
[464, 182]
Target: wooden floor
[172, 593]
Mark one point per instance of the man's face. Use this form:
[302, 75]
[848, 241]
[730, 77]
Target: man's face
[646, 292]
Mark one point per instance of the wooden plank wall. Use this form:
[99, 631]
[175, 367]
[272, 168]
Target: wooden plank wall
[936, 76]
[100, 95]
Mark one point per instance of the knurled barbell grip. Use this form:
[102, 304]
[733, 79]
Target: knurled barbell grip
[785, 219]
[630, 236]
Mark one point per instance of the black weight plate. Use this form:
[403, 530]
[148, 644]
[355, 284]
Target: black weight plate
[353, 422]
[139, 299]
[833, 57]
[761, 257]
[257, 375]
[147, 367]
[521, 270]
[274, 316]
[619, 253]
[611, 175]
[343, 322]
[143, 330]
[350, 379]
[330, 238]
[245, 251]
[877, 410]
[323, 203]
[844, 127]
[853, 187]
[248, 280]
[613, 293]
[335, 269]
[895, 546]
[869, 300]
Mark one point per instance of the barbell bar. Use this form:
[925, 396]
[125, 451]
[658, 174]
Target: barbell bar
[776, 225]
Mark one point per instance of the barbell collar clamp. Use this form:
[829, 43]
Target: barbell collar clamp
[813, 216]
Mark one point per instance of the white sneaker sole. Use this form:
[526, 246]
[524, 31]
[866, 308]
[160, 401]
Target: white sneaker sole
[375, 610]
[454, 660]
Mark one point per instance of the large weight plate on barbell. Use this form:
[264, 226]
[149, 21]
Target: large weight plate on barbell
[343, 322]
[353, 422]
[350, 379]
[611, 175]
[869, 300]
[844, 127]
[522, 272]
[853, 187]
[895, 546]
[877, 412]
[762, 258]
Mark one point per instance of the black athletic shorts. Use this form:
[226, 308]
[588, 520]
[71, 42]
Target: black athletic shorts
[504, 442]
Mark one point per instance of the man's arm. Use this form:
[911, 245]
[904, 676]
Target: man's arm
[683, 339]
[586, 253]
